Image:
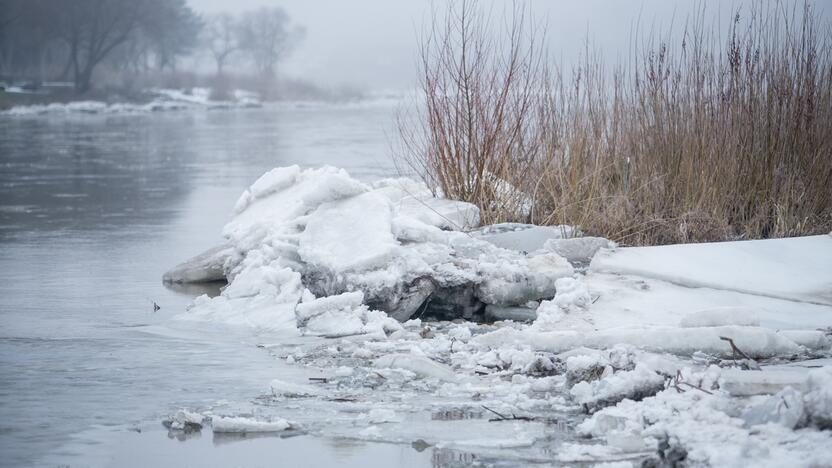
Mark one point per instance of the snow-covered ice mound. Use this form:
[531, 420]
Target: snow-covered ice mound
[300, 239]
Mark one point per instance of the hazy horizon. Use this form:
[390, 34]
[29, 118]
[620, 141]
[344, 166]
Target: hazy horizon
[373, 43]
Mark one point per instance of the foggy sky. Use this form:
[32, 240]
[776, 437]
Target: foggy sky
[373, 43]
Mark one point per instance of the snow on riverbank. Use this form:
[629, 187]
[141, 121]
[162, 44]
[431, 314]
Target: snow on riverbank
[665, 353]
[163, 100]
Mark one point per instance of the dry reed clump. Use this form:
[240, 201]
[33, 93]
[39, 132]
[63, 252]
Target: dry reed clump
[703, 141]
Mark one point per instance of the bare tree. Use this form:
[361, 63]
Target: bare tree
[268, 37]
[92, 29]
[222, 38]
[172, 30]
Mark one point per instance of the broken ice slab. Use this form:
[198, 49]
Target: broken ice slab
[419, 365]
[784, 408]
[243, 425]
[753, 341]
[185, 421]
[796, 269]
[635, 385]
[522, 237]
[338, 235]
[203, 268]
[761, 382]
[578, 250]
[494, 313]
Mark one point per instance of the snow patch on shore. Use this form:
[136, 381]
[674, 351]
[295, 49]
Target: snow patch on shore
[164, 100]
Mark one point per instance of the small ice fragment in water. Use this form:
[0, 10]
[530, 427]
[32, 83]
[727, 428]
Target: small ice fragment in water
[242, 425]
[184, 420]
[419, 365]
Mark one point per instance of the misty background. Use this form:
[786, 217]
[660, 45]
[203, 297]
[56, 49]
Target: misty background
[373, 43]
[296, 49]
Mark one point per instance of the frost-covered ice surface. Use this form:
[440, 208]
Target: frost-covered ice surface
[711, 355]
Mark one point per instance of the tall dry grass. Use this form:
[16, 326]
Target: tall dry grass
[701, 140]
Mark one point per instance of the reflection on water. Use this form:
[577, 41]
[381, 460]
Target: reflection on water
[93, 210]
[152, 447]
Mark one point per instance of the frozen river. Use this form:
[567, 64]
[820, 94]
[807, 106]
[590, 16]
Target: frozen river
[93, 209]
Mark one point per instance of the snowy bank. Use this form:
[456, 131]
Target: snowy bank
[161, 100]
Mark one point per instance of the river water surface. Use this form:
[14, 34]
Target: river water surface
[93, 210]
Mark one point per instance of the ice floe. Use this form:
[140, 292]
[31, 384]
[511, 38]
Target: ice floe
[241, 425]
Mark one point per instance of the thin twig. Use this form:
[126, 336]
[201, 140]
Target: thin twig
[734, 348]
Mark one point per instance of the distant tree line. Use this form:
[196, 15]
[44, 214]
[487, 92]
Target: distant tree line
[70, 40]
[264, 37]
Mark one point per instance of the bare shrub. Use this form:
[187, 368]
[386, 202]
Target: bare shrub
[475, 138]
[701, 141]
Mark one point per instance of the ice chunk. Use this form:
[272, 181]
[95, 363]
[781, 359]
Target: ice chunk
[460, 332]
[571, 294]
[273, 181]
[263, 298]
[761, 382]
[635, 385]
[811, 339]
[419, 365]
[522, 237]
[308, 310]
[285, 196]
[565, 311]
[205, 267]
[342, 315]
[184, 420]
[413, 200]
[720, 316]
[350, 234]
[818, 398]
[534, 279]
[761, 267]
[494, 313]
[785, 408]
[243, 425]
[586, 368]
[755, 342]
[578, 249]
